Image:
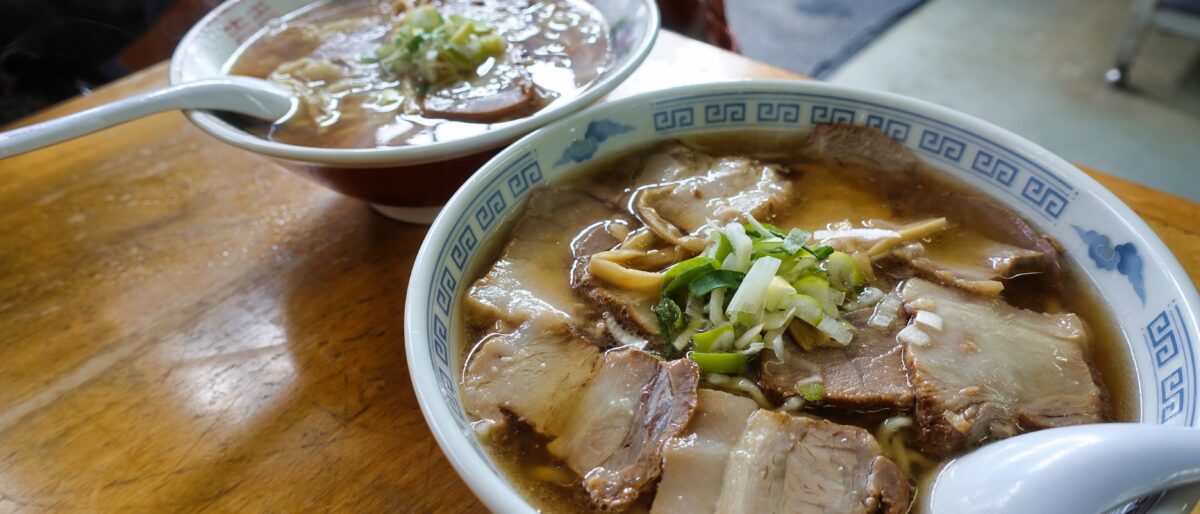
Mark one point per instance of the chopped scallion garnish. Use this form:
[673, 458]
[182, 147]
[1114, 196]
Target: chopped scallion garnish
[721, 363]
[812, 392]
[752, 284]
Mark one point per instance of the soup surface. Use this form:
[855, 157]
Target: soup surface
[374, 73]
[769, 323]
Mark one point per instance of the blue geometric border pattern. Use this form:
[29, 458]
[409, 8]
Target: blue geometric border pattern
[728, 112]
[778, 112]
[942, 146]
[894, 129]
[675, 119]
[1168, 340]
[1049, 199]
[822, 115]
[507, 188]
[1008, 172]
[994, 168]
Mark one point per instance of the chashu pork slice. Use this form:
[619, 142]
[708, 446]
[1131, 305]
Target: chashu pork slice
[535, 373]
[730, 188]
[1001, 224]
[736, 458]
[992, 370]
[859, 146]
[867, 375]
[694, 463]
[532, 276]
[607, 415]
[687, 187]
[633, 406]
[784, 463]
[669, 162]
[972, 262]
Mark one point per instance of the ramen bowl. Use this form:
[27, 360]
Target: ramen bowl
[408, 183]
[1155, 306]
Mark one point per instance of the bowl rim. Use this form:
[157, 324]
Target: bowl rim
[403, 155]
[494, 491]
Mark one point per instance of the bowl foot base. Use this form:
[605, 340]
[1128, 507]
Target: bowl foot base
[414, 215]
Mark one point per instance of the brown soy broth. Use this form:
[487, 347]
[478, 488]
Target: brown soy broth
[520, 451]
[828, 193]
[563, 45]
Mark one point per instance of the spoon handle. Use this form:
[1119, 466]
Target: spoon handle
[243, 95]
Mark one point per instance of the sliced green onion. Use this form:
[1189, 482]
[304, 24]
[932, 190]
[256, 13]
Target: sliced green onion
[723, 248]
[753, 349]
[843, 271]
[466, 30]
[415, 43]
[683, 266]
[423, 17]
[670, 318]
[777, 292]
[721, 363]
[491, 46]
[777, 319]
[768, 245]
[797, 267]
[746, 306]
[806, 308]
[795, 241]
[837, 297]
[836, 330]
[680, 275]
[773, 337]
[434, 51]
[756, 227]
[774, 230]
[748, 337]
[821, 252]
[716, 305]
[707, 341]
[457, 56]
[817, 288]
[681, 341]
[715, 279]
[868, 297]
[742, 248]
[762, 230]
[812, 392]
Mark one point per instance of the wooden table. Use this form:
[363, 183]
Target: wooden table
[185, 326]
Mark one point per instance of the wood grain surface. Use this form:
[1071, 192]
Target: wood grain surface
[185, 326]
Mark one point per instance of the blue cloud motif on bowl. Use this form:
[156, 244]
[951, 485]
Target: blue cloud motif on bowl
[1123, 257]
[597, 132]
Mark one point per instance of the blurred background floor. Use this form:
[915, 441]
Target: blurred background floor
[1036, 67]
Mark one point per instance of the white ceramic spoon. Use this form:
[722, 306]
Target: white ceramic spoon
[244, 95]
[1081, 469]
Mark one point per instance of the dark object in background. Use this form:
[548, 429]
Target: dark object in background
[703, 20]
[1180, 17]
[51, 50]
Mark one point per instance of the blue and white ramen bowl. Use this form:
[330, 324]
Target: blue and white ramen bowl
[1149, 294]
